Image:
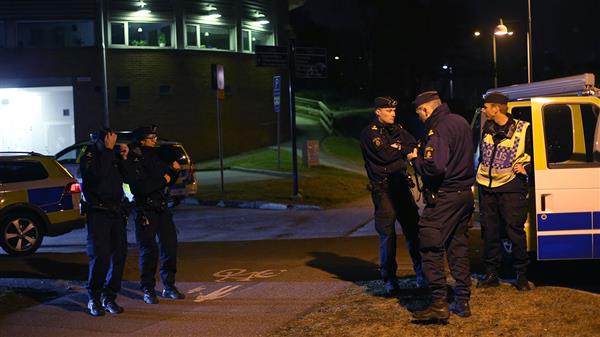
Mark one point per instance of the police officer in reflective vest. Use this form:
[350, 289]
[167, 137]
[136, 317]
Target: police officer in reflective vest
[504, 168]
[384, 147]
[153, 218]
[446, 166]
[103, 172]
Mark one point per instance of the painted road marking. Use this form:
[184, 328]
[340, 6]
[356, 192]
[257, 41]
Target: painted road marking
[242, 275]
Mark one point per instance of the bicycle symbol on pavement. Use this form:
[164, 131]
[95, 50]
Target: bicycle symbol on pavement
[242, 275]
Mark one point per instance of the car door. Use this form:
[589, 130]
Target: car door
[567, 177]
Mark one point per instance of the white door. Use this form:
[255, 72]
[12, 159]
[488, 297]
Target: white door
[567, 177]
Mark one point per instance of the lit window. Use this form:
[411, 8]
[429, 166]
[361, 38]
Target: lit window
[192, 35]
[55, 34]
[141, 34]
[210, 36]
[149, 34]
[252, 38]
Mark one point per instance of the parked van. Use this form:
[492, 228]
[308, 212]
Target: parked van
[564, 217]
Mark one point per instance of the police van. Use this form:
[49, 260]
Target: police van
[564, 216]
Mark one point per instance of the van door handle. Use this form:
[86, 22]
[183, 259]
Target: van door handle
[544, 196]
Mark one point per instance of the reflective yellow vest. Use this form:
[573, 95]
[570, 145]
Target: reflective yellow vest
[497, 160]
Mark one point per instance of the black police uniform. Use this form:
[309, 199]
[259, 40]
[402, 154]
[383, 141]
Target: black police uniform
[505, 208]
[153, 218]
[446, 166]
[390, 191]
[103, 172]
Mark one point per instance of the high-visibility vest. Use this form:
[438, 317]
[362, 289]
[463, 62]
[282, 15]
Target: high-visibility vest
[498, 159]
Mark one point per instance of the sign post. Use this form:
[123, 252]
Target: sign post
[218, 76]
[277, 109]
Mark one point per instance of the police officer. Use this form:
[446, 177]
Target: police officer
[445, 163]
[384, 147]
[504, 166]
[153, 218]
[103, 172]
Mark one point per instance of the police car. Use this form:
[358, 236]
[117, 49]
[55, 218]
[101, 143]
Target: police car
[38, 197]
[170, 151]
[564, 216]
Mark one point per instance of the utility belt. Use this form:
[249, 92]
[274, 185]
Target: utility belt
[150, 204]
[116, 208]
[431, 196]
[385, 183]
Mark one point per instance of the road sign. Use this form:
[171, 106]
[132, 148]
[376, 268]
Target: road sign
[311, 62]
[271, 56]
[277, 93]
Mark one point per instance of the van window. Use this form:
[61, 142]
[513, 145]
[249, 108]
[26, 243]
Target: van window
[569, 134]
[522, 113]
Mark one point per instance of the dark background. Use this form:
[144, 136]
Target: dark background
[398, 48]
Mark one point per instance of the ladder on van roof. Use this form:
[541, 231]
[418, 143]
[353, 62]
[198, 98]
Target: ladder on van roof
[577, 85]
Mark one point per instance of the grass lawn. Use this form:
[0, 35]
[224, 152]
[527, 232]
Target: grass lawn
[322, 186]
[361, 310]
[265, 159]
[347, 148]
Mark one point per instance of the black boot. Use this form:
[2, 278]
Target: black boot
[490, 279]
[438, 310]
[94, 308]
[522, 282]
[111, 306]
[172, 292]
[460, 308]
[391, 287]
[150, 296]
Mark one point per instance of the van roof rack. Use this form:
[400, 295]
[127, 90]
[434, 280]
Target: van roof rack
[577, 85]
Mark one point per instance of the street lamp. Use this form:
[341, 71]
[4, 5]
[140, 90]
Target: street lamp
[500, 30]
[449, 68]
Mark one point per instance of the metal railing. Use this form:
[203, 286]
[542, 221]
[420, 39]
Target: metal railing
[310, 108]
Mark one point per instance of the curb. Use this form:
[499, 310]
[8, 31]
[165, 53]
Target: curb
[260, 171]
[248, 204]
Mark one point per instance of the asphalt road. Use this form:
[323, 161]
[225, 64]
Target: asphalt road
[246, 272]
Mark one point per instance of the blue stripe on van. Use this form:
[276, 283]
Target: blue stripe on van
[596, 220]
[597, 246]
[565, 247]
[564, 221]
[50, 199]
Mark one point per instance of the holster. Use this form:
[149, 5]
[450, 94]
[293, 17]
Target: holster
[430, 197]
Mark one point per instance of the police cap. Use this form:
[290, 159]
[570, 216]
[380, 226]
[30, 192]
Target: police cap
[384, 102]
[496, 98]
[144, 131]
[425, 97]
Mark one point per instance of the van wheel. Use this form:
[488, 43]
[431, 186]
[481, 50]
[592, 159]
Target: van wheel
[21, 233]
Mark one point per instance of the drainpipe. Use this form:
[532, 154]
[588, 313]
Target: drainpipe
[106, 119]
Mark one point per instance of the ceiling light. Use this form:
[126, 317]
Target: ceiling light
[139, 30]
[259, 14]
[262, 22]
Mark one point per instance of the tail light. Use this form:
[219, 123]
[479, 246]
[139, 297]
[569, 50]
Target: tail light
[72, 188]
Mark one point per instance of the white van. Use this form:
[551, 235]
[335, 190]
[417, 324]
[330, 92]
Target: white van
[564, 217]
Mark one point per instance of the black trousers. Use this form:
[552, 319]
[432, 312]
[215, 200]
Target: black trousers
[160, 224]
[395, 202]
[107, 250]
[444, 229]
[503, 211]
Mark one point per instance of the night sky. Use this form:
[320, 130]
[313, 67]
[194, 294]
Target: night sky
[399, 47]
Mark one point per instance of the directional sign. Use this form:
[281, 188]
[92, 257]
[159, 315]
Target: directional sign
[271, 56]
[277, 93]
[311, 62]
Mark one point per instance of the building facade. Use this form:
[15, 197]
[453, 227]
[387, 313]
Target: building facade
[153, 60]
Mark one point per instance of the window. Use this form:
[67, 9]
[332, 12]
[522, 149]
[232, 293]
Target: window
[210, 36]
[14, 172]
[141, 34]
[123, 94]
[251, 38]
[55, 34]
[569, 131]
[2, 35]
[117, 33]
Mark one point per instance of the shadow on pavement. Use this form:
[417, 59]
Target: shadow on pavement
[345, 268]
[41, 266]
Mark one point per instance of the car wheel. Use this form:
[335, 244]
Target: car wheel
[21, 233]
